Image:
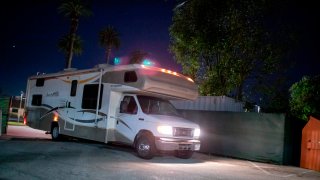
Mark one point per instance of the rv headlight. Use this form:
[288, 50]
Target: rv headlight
[167, 130]
[196, 133]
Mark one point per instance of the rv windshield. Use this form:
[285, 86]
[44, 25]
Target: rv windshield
[153, 105]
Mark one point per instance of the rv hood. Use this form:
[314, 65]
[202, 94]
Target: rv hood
[174, 121]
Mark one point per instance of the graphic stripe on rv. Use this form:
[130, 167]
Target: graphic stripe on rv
[45, 76]
[121, 121]
[87, 121]
[78, 120]
[82, 81]
[94, 112]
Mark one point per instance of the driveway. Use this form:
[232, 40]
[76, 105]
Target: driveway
[26, 153]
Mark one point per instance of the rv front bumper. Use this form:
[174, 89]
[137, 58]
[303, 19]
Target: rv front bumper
[171, 144]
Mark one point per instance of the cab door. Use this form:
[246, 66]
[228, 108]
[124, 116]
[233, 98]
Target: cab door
[127, 120]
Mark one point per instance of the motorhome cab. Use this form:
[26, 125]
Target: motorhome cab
[127, 104]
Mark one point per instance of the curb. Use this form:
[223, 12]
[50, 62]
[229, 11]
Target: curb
[5, 137]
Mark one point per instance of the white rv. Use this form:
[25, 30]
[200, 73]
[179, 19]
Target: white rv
[126, 103]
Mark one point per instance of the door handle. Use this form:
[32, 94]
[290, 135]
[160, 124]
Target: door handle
[141, 119]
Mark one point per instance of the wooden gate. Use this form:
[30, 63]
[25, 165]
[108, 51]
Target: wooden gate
[310, 145]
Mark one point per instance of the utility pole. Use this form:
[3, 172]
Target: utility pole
[19, 112]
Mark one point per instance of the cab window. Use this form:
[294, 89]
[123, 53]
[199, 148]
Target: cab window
[128, 105]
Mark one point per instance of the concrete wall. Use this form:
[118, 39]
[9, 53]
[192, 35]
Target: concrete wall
[252, 136]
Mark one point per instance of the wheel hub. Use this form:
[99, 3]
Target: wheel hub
[144, 147]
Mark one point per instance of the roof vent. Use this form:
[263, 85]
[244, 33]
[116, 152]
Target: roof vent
[102, 65]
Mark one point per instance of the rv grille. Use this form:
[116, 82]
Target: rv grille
[185, 132]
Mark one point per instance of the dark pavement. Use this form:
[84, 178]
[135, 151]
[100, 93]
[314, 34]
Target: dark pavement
[26, 153]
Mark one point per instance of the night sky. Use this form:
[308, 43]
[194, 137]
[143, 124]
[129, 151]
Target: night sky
[31, 29]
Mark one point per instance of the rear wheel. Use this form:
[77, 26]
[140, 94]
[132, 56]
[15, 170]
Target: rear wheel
[184, 154]
[145, 146]
[55, 133]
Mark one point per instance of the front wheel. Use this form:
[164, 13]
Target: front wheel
[184, 154]
[145, 147]
[55, 133]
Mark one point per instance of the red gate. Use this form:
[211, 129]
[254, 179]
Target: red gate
[310, 145]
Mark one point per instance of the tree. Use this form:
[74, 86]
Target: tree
[109, 38]
[137, 56]
[64, 45]
[73, 9]
[305, 97]
[272, 94]
[223, 44]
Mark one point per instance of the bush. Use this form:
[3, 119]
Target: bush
[305, 97]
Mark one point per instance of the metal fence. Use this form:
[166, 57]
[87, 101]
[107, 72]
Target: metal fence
[210, 103]
[4, 107]
[252, 136]
[0, 122]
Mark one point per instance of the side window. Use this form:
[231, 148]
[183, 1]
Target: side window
[73, 91]
[40, 82]
[130, 76]
[36, 100]
[90, 96]
[129, 105]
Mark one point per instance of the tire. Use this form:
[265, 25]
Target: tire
[55, 133]
[145, 146]
[184, 154]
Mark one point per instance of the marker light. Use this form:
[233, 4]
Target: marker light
[167, 130]
[117, 61]
[165, 71]
[24, 120]
[55, 118]
[147, 62]
[190, 79]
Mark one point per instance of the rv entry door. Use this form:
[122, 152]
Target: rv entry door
[72, 104]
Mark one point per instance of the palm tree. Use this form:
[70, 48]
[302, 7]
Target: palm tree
[137, 56]
[64, 45]
[109, 38]
[73, 9]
